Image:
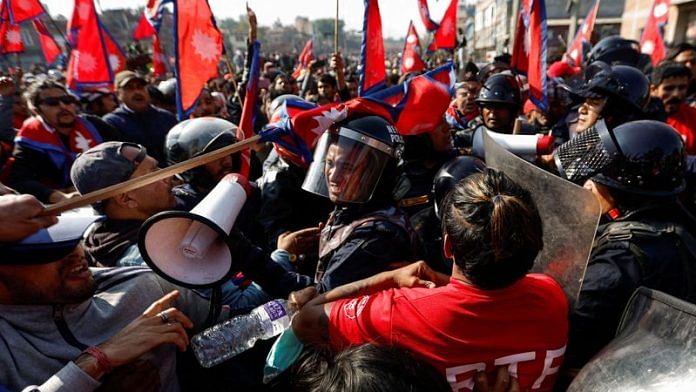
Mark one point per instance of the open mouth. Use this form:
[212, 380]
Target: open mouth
[79, 271]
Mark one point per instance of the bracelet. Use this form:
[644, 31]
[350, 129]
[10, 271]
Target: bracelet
[102, 360]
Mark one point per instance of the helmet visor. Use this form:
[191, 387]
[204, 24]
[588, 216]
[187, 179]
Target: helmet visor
[586, 154]
[347, 166]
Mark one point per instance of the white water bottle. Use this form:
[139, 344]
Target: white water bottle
[236, 335]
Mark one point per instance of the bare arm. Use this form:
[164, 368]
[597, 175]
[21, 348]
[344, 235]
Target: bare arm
[311, 322]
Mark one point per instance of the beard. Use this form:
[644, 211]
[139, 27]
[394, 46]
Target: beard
[28, 293]
[65, 121]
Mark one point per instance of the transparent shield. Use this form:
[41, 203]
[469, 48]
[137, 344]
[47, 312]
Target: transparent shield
[569, 214]
[654, 350]
[344, 169]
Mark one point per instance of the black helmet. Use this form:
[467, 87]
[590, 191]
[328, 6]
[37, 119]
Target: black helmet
[651, 160]
[195, 137]
[615, 50]
[451, 173]
[353, 159]
[627, 88]
[500, 88]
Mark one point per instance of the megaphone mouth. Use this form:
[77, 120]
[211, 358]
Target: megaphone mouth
[169, 246]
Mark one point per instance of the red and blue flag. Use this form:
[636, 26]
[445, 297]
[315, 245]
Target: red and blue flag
[117, 58]
[412, 107]
[424, 12]
[306, 56]
[49, 46]
[198, 46]
[373, 75]
[10, 38]
[410, 57]
[446, 34]
[652, 42]
[246, 123]
[418, 105]
[159, 61]
[583, 35]
[18, 11]
[89, 64]
[144, 29]
[529, 49]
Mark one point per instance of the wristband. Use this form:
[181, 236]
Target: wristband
[102, 360]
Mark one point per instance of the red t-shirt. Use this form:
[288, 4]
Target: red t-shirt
[461, 329]
[684, 121]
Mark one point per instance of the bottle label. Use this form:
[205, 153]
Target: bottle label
[275, 310]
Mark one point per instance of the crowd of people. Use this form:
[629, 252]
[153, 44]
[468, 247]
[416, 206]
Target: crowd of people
[407, 260]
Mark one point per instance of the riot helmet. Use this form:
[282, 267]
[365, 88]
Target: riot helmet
[651, 162]
[643, 157]
[500, 88]
[615, 50]
[354, 160]
[626, 89]
[194, 137]
[450, 174]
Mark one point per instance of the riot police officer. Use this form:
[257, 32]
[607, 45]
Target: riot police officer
[285, 206]
[612, 95]
[194, 137]
[499, 102]
[356, 164]
[426, 222]
[645, 236]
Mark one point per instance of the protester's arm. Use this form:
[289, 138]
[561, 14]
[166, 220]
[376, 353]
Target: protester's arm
[19, 217]
[259, 267]
[28, 166]
[311, 323]
[142, 335]
[339, 69]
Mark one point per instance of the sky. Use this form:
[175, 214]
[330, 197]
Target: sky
[395, 13]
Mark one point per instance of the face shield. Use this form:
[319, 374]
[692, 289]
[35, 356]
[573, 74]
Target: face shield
[347, 166]
[586, 154]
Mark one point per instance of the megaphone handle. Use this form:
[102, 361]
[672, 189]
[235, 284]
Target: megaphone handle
[147, 179]
[215, 307]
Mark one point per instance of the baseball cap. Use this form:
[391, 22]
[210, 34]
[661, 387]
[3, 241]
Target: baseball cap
[123, 77]
[49, 244]
[92, 95]
[104, 165]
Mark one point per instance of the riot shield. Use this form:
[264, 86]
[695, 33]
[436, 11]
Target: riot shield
[654, 350]
[569, 214]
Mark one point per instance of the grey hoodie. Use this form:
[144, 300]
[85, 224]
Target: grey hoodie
[38, 343]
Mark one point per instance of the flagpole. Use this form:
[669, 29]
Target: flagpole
[55, 26]
[336, 30]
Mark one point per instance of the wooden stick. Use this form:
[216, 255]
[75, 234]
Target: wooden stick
[147, 179]
[517, 127]
[336, 30]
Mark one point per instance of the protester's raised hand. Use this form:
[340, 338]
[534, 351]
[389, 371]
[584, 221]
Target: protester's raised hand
[418, 274]
[7, 86]
[19, 217]
[251, 18]
[159, 324]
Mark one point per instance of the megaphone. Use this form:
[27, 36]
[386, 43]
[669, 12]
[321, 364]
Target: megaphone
[527, 147]
[191, 249]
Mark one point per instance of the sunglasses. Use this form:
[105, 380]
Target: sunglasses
[55, 101]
